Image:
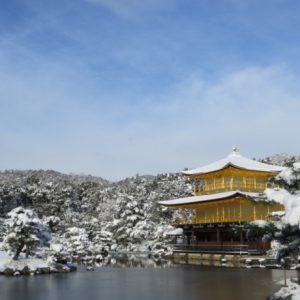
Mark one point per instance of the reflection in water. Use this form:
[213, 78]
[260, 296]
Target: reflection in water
[137, 260]
[143, 280]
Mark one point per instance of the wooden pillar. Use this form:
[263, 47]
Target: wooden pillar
[228, 214]
[218, 235]
[241, 237]
[193, 236]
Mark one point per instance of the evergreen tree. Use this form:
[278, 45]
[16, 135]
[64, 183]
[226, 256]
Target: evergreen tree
[24, 231]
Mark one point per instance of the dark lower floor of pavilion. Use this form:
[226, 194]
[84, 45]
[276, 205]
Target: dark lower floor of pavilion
[219, 238]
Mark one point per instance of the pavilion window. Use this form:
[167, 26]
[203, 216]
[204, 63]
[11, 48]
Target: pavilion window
[238, 182]
[261, 183]
[218, 183]
[227, 182]
[250, 182]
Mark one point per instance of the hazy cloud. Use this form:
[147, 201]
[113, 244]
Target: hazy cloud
[83, 91]
[193, 122]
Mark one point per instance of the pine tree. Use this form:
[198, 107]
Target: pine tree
[25, 231]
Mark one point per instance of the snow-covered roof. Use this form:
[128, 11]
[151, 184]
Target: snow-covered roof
[176, 231]
[237, 160]
[204, 198]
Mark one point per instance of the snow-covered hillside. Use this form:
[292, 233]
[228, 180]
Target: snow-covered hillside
[88, 215]
[281, 159]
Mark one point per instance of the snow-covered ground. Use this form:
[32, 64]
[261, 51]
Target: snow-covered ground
[6, 262]
[291, 290]
[31, 266]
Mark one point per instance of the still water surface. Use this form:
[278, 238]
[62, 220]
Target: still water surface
[169, 283]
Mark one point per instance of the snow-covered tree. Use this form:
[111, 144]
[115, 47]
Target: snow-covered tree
[139, 222]
[52, 222]
[24, 231]
[287, 223]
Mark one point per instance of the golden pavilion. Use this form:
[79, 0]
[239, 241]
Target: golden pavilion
[227, 196]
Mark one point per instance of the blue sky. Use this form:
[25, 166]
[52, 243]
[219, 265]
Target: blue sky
[119, 87]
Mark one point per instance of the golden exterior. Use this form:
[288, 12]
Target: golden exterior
[233, 209]
[230, 179]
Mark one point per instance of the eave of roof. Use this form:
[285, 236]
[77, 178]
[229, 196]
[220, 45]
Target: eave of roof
[238, 161]
[206, 198]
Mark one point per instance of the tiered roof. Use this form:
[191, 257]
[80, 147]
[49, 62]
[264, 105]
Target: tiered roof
[235, 159]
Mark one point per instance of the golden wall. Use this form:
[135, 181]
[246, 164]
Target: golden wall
[238, 209]
[230, 179]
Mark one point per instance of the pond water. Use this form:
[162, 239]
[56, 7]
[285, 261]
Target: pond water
[153, 283]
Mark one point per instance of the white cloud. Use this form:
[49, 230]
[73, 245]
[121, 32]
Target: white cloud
[256, 108]
[80, 94]
[191, 123]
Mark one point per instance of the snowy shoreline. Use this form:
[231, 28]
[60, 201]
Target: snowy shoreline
[30, 266]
